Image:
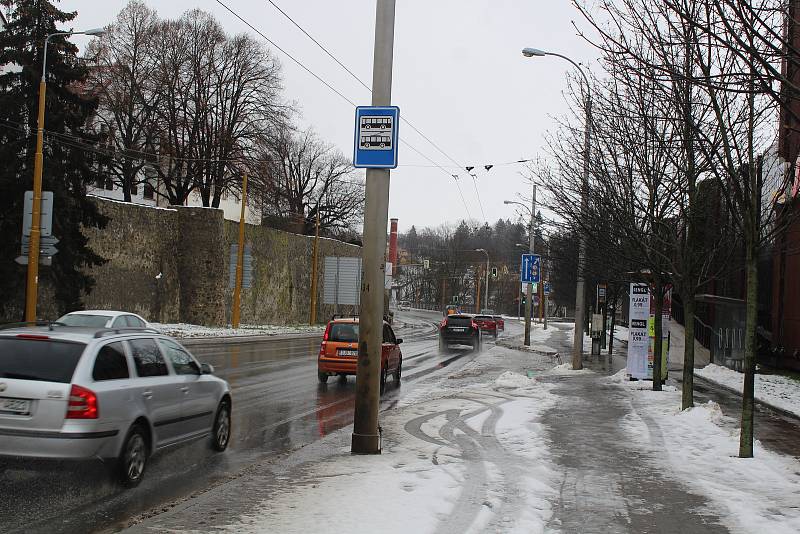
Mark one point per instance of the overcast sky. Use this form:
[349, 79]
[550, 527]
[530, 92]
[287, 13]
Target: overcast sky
[459, 77]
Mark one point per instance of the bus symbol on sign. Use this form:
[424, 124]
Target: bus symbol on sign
[375, 143]
[376, 132]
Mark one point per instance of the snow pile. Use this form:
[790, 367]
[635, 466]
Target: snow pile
[183, 330]
[566, 369]
[758, 494]
[775, 390]
[511, 380]
[621, 378]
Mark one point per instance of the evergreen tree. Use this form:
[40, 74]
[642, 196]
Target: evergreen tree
[69, 162]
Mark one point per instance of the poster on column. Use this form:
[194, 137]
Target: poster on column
[638, 338]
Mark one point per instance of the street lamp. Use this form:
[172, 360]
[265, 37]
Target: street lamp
[32, 283]
[580, 296]
[486, 297]
[531, 248]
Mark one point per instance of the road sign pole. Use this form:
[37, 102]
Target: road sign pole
[531, 247]
[237, 291]
[32, 284]
[366, 437]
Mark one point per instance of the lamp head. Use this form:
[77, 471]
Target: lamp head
[95, 32]
[531, 52]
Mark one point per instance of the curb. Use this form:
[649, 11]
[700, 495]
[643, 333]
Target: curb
[230, 340]
[772, 407]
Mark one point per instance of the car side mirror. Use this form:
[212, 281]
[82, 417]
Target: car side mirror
[206, 369]
[399, 340]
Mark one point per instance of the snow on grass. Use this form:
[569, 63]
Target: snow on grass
[566, 369]
[183, 330]
[759, 494]
[775, 390]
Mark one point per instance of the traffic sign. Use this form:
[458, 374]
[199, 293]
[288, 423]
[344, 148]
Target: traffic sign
[375, 143]
[47, 245]
[43, 260]
[546, 288]
[46, 222]
[426, 264]
[530, 270]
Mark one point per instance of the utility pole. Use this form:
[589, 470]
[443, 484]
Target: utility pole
[529, 288]
[580, 286]
[313, 317]
[366, 437]
[237, 291]
[478, 296]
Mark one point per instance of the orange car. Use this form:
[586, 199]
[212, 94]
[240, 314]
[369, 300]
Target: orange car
[338, 352]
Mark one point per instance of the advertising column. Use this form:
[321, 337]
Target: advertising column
[639, 365]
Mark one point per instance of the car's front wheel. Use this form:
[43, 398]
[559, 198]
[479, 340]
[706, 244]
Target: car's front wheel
[221, 433]
[398, 373]
[383, 379]
[133, 458]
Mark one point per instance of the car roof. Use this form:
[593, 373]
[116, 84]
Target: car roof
[348, 320]
[82, 334]
[110, 313]
[465, 315]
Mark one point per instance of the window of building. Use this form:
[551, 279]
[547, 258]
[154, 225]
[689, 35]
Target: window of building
[149, 192]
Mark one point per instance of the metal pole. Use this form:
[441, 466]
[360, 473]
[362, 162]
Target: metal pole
[32, 283]
[313, 317]
[529, 288]
[580, 286]
[486, 297]
[366, 437]
[237, 291]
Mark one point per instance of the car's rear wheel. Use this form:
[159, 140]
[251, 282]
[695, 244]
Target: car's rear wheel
[383, 379]
[221, 433]
[133, 458]
[398, 373]
[442, 345]
[323, 377]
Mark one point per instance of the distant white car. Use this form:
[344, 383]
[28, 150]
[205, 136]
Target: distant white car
[103, 319]
[403, 306]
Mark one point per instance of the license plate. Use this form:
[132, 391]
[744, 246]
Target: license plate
[15, 406]
[348, 352]
[459, 329]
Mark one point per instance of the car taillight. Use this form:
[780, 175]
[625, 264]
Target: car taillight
[327, 332]
[474, 325]
[32, 336]
[82, 404]
[443, 323]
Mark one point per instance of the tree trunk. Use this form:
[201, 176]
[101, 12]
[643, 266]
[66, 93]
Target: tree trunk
[611, 334]
[751, 265]
[659, 296]
[687, 394]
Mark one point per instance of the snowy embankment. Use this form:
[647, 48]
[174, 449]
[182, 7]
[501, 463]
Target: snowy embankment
[775, 390]
[758, 494]
[182, 330]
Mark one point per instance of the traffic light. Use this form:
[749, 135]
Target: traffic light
[494, 272]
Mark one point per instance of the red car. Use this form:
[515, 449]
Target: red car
[501, 323]
[487, 324]
[338, 352]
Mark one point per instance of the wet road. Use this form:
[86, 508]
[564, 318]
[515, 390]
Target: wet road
[278, 405]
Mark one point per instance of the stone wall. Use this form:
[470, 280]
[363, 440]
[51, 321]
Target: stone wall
[172, 265]
[281, 290]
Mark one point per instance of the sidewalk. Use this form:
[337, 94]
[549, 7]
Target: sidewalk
[514, 443]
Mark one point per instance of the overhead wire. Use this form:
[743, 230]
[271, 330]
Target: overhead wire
[406, 121]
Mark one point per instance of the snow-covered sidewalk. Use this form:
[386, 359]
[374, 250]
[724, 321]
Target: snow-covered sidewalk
[773, 390]
[184, 331]
[759, 494]
[511, 442]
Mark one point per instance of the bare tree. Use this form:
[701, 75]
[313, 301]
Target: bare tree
[298, 176]
[122, 78]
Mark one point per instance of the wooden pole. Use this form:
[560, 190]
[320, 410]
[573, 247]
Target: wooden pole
[313, 318]
[237, 291]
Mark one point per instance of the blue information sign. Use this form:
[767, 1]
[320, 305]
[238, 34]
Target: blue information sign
[530, 270]
[546, 288]
[375, 143]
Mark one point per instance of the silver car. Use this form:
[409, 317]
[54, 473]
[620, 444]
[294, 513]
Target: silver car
[80, 393]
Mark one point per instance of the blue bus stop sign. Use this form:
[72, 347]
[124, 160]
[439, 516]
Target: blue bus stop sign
[375, 143]
[530, 270]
